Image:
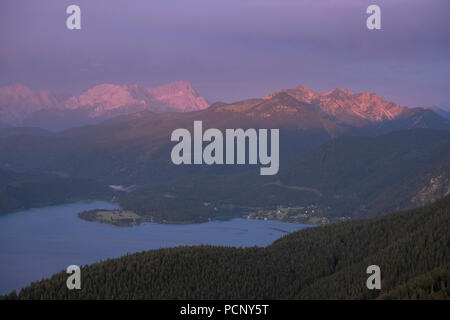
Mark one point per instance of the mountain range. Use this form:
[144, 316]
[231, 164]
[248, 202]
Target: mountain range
[134, 148]
[338, 144]
[341, 107]
[20, 106]
[334, 111]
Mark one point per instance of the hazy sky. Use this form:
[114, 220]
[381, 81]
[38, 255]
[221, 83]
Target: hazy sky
[231, 49]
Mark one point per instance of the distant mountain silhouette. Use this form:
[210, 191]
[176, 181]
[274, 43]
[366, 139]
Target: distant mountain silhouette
[20, 106]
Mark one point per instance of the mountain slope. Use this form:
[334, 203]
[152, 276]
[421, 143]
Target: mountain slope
[316, 263]
[430, 286]
[351, 172]
[135, 149]
[348, 177]
[443, 113]
[420, 188]
[20, 191]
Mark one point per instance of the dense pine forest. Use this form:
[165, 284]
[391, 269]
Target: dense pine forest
[411, 247]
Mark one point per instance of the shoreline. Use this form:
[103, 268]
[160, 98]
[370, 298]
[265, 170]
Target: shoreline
[151, 219]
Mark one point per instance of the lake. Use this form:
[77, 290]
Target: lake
[37, 243]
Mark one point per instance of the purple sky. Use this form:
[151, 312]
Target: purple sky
[231, 49]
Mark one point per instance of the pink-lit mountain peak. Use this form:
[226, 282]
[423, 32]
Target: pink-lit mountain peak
[344, 104]
[176, 96]
[23, 99]
[105, 96]
[339, 93]
[180, 94]
[301, 93]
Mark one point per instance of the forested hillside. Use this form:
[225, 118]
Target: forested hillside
[411, 247]
[347, 177]
[350, 176]
[25, 190]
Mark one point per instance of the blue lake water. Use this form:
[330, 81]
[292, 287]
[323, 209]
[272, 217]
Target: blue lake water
[36, 243]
